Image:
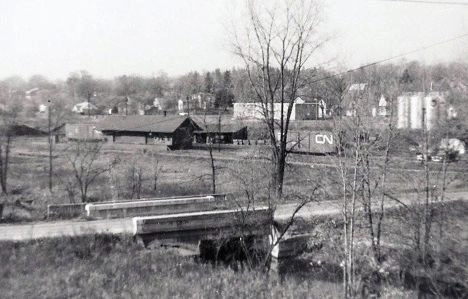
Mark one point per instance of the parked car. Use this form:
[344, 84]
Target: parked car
[421, 157]
[438, 156]
[450, 155]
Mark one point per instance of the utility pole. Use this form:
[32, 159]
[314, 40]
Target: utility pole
[50, 145]
[188, 106]
[89, 106]
[126, 105]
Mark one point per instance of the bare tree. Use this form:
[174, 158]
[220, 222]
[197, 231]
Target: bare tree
[157, 169]
[8, 121]
[251, 179]
[214, 135]
[83, 84]
[278, 42]
[134, 178]
[83, 158]
[55, 116]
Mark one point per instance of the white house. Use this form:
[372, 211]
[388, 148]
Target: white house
[84, 107]
[157, 103]
[42, 108]
[383, 107]
[257, 110]
[180, 105]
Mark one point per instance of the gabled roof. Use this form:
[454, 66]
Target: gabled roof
[357, 87]
[144, 123]
[212, 123]
[223, 128]
[382, 101]
[85, 105]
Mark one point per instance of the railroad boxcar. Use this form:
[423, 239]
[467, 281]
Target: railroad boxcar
[312, 142]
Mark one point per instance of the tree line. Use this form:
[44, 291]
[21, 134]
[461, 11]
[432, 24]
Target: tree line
[228, 86]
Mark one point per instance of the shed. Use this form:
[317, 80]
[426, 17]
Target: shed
[175, 131]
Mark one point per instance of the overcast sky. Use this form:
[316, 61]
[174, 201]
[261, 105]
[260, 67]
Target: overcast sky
[114, 37]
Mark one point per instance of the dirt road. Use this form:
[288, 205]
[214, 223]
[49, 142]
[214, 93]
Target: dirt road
[22, 232]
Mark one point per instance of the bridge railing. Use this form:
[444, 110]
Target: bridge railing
[205, 224]
[65, 211]
[153, 207]
[74, 210]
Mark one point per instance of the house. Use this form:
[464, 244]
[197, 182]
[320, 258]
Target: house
[365, 100]
[180, 105]
[384, 110]
[312, 109]
[202, 101]
[42, 108]
[28, 94]
[174, 131]
[84, 108]
[127, 106]
[356, 100]
[258, 110]
[157, 103]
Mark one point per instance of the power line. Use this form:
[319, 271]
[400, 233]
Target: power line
[393, 57]
[430, 2]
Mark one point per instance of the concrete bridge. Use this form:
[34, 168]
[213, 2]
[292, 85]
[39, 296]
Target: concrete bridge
[188, 225]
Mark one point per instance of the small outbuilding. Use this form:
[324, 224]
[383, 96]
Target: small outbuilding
[174, 131]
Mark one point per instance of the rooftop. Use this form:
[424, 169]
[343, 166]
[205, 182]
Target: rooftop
[143, 123]
[212, 123]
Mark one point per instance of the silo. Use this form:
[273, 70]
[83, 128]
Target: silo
[430, 105]
[416, 111]
[403, 112]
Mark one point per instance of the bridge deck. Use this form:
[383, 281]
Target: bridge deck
[28, 231]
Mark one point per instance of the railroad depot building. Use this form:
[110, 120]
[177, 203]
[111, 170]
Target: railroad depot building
[174, 131]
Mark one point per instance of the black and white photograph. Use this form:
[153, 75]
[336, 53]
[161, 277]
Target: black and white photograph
[233, 149]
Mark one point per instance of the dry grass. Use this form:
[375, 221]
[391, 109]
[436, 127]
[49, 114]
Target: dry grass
[106, 267]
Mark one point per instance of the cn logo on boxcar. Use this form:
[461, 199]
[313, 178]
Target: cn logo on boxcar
[323, 139]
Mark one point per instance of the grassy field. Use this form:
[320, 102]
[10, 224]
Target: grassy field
[181, 173]
[107, 267]
[103, 266]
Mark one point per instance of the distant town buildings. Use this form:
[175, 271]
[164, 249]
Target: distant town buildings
[202, 100]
